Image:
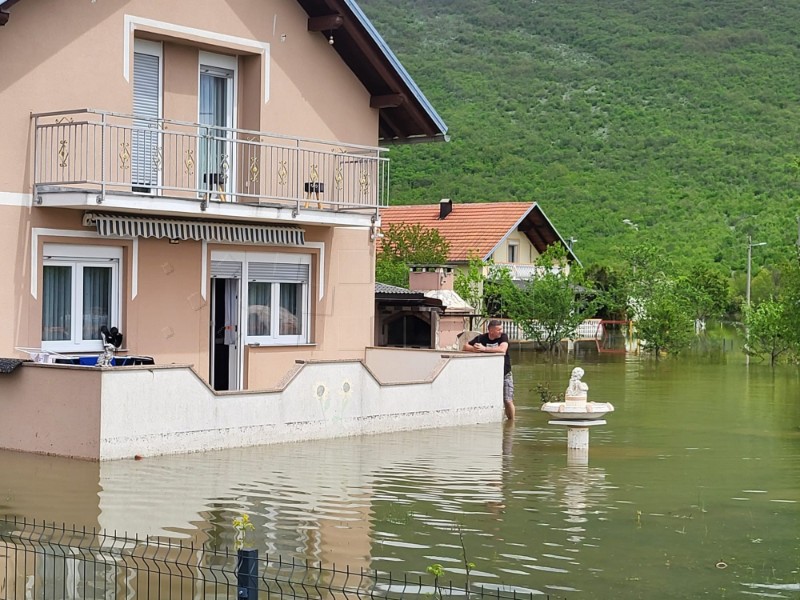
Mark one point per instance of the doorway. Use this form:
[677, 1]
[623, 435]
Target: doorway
[225, 335]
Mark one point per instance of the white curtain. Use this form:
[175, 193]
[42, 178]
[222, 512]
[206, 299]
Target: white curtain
[56, 303]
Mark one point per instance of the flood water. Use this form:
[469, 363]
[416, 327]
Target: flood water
[692, 489]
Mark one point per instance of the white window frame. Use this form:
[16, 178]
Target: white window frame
[515, 258]
[275, 339]
[221, 65]
[79, 257]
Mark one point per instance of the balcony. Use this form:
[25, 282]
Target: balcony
[524, 272]
[90, 157]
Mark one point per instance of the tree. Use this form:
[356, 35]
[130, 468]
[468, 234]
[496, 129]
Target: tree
[548, 308]
[769, 330]
[485, 286]
[469, 283]
[606, 285]
[706, 291]
[414, 244]
[664, 323]
[404, 245]
[790, 296]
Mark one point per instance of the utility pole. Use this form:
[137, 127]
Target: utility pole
[750, 246]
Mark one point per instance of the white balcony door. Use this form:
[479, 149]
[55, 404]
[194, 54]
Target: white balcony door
[146, 154]
[217, 115]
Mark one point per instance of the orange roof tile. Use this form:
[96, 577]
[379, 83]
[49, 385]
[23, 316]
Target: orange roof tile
[474, 228]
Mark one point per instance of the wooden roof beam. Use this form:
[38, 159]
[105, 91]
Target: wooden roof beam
[3, 18]
[387, 101]
[538, 241]
[364, 46]
[325, 22]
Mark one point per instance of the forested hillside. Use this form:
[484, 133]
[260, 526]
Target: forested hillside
[681, 116]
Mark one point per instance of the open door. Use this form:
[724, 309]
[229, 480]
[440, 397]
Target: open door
[225, 335]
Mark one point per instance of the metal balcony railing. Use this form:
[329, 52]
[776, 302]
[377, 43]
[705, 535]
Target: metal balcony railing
[112, 153]
[524, 272]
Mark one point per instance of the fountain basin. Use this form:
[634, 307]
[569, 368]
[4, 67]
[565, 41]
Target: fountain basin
[587, 412]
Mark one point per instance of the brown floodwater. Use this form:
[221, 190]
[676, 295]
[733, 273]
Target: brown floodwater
[692, 489]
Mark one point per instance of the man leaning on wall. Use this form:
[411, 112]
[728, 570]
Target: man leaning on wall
[495, 341]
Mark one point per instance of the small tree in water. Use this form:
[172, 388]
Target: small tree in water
[664, 323]
[769, 330]
[551, 305]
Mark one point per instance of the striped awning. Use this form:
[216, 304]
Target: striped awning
[186, 229]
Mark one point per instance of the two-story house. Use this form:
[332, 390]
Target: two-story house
[204, 175]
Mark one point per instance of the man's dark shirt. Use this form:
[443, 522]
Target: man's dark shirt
[490, 343]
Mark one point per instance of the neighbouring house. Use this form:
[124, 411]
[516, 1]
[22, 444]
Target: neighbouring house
[511, 234]
[207, 176]
[430, 314]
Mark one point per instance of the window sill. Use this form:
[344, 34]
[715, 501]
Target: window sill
[279, 345]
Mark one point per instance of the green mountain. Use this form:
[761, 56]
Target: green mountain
[682, 117]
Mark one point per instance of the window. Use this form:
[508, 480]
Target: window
[80, 294]
[145, 137]
[278, 299]
[513, 252]
[217, 116]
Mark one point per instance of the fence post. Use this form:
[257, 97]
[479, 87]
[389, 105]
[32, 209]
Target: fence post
[247, 574]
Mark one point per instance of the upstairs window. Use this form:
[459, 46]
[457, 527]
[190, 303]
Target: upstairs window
[217, 115]
[513, 252]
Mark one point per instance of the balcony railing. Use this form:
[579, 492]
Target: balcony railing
[112, 153]
[524, 272]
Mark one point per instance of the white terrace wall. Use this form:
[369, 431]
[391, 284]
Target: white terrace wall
[148, 411]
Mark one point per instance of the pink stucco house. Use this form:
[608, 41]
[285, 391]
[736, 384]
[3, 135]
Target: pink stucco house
[205, 175]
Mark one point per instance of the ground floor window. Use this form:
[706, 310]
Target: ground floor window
[80, 294]
[277, 299]
[275, 296]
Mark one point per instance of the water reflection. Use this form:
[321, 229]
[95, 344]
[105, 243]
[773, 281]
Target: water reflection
[698, 466]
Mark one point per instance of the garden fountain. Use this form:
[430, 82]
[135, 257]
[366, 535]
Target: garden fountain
[578, 415]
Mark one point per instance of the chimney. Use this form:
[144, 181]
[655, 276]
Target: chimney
[445, 208]
[424, 278]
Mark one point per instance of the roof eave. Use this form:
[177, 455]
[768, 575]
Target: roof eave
[427, 107]
[535, 206]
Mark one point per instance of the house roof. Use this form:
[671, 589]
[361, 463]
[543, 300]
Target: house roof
[478, 229]
[404, 112]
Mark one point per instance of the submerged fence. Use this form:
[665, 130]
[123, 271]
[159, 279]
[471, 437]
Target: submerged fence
[40, 561]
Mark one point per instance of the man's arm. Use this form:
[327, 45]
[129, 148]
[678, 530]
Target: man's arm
[501, 348]
[474, 346]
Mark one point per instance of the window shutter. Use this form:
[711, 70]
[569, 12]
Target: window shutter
[225, 269]
[146, 95]
[278, 272]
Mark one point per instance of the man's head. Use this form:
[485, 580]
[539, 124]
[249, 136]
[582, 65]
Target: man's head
[495, 329]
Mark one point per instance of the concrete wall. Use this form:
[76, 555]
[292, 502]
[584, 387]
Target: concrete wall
[162, 410]
[51, 410]
[403, 364]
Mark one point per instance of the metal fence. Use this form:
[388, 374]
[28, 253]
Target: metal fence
[40, 561]
[590, 329]
[107, 152]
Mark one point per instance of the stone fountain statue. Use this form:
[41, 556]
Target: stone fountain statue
[577, 391]
[575, 405]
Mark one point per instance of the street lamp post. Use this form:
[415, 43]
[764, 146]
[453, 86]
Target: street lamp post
[750, 246]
